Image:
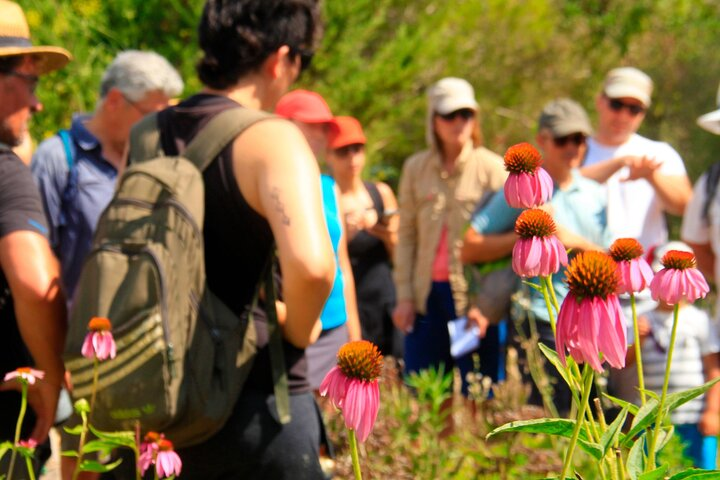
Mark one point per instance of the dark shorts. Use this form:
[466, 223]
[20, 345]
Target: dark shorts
[428, 345]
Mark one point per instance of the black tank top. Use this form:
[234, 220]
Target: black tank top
[237, 238]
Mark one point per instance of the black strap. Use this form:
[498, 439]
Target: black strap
[711, 185]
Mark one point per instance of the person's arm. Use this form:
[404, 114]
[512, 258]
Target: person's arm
[33, 276]
[601, 171]
[387, 229]
[710, 420]
[404, 313]
[674, 191]
[351, 310]
[479, 248]
[281, 181]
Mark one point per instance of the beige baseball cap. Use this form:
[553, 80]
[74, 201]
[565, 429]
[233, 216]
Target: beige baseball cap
[628, 82]
[451, 94]
[564, 117]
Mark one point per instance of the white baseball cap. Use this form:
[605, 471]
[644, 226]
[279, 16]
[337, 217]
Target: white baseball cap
[711, 121]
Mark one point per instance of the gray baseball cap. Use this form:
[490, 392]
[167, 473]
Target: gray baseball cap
[564, 117]
[628, 82]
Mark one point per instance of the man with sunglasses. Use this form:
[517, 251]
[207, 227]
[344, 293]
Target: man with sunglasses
[578, 206]
[644, 178]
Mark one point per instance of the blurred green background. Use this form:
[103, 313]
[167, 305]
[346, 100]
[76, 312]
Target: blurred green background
[378, 56]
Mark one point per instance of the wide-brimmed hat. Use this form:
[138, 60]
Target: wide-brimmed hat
[15, 40]
[711, 121]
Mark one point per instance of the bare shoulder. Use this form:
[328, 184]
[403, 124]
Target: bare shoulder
[272, 138]
[384, 189]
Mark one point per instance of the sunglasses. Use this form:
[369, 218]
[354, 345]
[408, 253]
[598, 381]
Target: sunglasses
[576, 138]
[617, 105]
[348, 150]
[305, 55]
[464, 113]
[30, 80]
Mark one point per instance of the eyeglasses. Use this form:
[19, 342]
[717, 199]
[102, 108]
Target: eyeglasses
[348, 150]
[136, 106]
[576, 138]
[464, 113]
[617, 105]
[306, 57]
[30, 80]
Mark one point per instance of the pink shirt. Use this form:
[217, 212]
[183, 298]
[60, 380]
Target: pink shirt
[441, 262]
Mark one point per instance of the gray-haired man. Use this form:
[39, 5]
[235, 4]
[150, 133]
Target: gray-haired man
[76, 169]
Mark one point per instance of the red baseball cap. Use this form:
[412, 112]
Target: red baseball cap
[305, 106]
[349, 132]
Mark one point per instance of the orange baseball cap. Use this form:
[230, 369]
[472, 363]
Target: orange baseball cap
[305, 106]
[349, 132]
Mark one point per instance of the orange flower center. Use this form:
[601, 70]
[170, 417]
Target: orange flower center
[592, 274]
[24, 370]
[534, 223]
[152, 437]
[625, 249]
[99, 324]
[360, 360]
[522, 158]
[165, 445]
[678, 260]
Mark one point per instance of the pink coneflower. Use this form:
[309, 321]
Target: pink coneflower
[99, 341]
[352, 385]
[528, 184]
[679, 279]
[591, 322]
[29, 444]
[157, 450]
[635, 272]
[538, 251]
[25, 374]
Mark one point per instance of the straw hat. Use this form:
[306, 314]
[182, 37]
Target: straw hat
[15, 40]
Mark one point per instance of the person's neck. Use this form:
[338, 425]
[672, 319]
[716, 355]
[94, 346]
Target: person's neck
[350, 184]
[450, 155]
[113, 149]
[248, 92]
[609, 140]
[563, 180]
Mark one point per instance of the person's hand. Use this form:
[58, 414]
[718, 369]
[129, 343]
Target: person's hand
[42, 398]
[640, 167]
[404, 316]
[643, 327]
[475, 317]
[709, 424]
[382, 231]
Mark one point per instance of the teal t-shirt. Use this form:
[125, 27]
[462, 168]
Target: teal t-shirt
[580, 208]
[334, 313]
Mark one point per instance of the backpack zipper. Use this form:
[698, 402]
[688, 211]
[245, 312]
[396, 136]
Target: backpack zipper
[169, 347]
[182, 210]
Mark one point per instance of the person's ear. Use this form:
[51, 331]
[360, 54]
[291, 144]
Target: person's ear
[276, 63]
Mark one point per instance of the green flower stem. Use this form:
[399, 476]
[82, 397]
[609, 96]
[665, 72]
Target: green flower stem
[548, 304]
[587, 387]
[18, 427]
[555, 303]
[30, 469]
[85, 420]
[354, 454]
[661, 406]
[638, 351]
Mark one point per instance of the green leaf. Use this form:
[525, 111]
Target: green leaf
[124, 438]
[676, 399]
[696, 474]
[656, 474]
[95, 466]
[76, 430]
[552, 356]
[102, 446]
[632, 408]
[69, 453]
[562, 427]
[643, 419]
[664, 436]
[636, 459]
[4, 447]
[533, 285]
[612, 434]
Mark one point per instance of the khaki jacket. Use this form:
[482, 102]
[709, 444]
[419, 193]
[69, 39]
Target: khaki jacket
[430, 198]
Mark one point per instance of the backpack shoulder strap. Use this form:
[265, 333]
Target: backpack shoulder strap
[219, 132]
[145, 139]
[67, 142]
[711, 186]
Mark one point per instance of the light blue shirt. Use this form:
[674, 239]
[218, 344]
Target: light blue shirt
[334, 313]
[580, 208]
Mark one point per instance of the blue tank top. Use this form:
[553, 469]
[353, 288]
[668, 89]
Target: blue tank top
[334, 313]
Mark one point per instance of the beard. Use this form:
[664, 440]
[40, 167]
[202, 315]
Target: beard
[8, 136]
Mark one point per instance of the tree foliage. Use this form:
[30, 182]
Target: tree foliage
[377, 58]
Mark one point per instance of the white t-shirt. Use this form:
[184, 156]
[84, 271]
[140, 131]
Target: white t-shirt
[696, 338]
[698, 229]
[634, 209]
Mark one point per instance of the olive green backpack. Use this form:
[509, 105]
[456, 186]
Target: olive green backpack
[182, 355]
